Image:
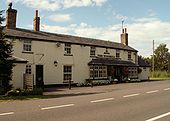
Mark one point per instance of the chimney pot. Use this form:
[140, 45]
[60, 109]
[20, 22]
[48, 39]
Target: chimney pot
[36, 22]
[11, 16]
[125, 30]
[36, 13]
[124, 37]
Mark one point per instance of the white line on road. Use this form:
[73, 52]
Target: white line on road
[101, 100]
[131, 95]
[152, 91]
[158, 117]
[167, 89]
[9, 113]
[59, 106]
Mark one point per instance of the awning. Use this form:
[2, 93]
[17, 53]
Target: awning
[111, 62]
[18, 59]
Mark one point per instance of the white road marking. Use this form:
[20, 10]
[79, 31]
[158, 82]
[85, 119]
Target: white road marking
[131, 95]
[59, 106]
[152, 91]
[9, 113]
[167, 89]
[101, 100]
[158, 117]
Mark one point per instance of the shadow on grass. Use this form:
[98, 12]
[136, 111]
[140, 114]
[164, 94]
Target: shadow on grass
[33, 97]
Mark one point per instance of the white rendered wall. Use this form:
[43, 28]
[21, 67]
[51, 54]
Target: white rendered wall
[144, 75]
[45, 53]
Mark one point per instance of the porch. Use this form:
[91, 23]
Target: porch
[112, 69]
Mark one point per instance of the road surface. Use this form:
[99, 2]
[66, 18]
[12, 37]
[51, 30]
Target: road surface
[147, 101]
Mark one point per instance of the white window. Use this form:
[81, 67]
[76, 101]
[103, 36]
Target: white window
[67, 49]
[132, 72]
[28, 69]
[117, 53]
[98, 72]
[67, 70]
[129, 56]
[27, 45]
[92, 51]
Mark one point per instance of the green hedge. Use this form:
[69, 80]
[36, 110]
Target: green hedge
[160, 74]
[19, 92]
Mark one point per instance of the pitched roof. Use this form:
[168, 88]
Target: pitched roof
[142, 62]
[111, 62]
[53, 37]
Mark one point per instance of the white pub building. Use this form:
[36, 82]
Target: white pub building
[43, 58]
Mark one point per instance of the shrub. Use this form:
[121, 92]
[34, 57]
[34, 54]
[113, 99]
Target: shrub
[19, 92]
[13, 93]
[160, 74]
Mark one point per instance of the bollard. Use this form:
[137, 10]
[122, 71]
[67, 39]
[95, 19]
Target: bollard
[91, 83]
[69, 84]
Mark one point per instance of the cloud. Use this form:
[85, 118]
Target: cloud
[142, 32]
[52, 5]
[60, 17]
[119, 16]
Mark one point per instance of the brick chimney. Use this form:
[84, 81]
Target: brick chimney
[36, 22]
[11, 16]
[124, 36]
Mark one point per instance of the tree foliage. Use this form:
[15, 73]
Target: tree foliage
[6, 63]
[161, 58]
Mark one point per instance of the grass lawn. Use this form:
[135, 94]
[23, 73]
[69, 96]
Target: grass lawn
[161, 79]
[30, 97]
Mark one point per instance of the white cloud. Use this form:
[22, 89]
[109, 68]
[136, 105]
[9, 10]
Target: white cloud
[60, 17]
[141, 33]
[52, 5]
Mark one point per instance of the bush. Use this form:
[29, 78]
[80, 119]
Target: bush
[13, 93]
[19, 92]
[160, 74]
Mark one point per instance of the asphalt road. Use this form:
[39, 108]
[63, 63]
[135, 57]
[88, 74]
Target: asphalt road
[148, 101]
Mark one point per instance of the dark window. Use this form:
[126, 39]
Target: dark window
[92, 51]
[98, 71]
[27, 46]
[67, 73]
[67, 49]
[28, 69]
[117, 53]
[129, 55]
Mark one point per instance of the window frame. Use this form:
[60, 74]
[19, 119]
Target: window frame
[99, 72]
[67, 73]
[27, 46]
[28, 69]
[92, 51]
[129, 55]
[67, 49]
[117, 54]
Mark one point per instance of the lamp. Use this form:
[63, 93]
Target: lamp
[55, 63]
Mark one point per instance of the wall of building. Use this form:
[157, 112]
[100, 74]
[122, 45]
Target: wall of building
[144, 75]
[17, 78]
[45, 53]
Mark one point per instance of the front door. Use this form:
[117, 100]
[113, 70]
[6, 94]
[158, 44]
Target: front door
[39, 76]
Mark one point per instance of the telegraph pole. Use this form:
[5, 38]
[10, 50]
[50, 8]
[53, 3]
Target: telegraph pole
[153, 61]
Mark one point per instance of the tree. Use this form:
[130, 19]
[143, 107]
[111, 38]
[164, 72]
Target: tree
[162, 58]
[6, 63]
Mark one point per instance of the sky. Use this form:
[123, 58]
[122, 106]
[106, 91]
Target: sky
[145, 20]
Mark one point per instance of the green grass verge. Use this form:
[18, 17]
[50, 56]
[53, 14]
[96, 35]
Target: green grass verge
[30, 97]
[161, 79]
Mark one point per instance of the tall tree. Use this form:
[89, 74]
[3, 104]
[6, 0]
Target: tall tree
[6, 63]
[162, 55]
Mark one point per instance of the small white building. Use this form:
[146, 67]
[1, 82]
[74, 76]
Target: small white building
[57, 58]
[143, 70]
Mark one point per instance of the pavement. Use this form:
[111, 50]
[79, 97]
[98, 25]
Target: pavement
[77, 91]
